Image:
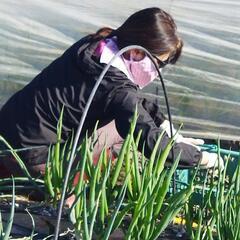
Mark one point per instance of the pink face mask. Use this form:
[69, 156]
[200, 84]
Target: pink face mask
[143, 72]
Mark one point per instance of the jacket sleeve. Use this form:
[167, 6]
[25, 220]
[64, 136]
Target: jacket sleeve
[153, 110]
[122, 106]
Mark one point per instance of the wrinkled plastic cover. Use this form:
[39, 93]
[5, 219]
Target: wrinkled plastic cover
[203, 87]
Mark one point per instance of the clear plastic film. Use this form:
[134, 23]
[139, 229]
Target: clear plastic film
[203, 87]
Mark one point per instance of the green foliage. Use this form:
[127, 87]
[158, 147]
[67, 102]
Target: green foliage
[5, 233]
[56, 166]
[129, 193]
[218, 215]
[24, 169]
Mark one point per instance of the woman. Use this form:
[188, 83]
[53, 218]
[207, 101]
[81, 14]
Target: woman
[29, 118]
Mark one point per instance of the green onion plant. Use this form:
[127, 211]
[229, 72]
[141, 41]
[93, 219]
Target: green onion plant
[5, 232]
[218, 215]
[129, 193]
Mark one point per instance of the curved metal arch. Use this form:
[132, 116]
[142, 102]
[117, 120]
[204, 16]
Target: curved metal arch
[78, 133]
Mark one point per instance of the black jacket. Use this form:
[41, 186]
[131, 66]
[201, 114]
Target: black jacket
[30, 116]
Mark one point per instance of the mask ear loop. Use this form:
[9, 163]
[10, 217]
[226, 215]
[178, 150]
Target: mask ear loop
[83, 117]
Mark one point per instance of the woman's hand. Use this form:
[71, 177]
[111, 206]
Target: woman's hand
[211, 160]
[208, 160]
[178, 137]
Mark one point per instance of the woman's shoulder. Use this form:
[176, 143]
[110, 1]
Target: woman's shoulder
[79, 45]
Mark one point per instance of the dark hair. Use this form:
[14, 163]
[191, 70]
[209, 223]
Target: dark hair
[151, 28]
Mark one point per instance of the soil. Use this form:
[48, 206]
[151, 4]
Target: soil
[45, 219]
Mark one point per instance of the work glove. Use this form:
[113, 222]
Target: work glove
[211, 160]
[178, 137]
[208, 160]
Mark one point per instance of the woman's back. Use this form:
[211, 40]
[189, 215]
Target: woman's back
[30, 116]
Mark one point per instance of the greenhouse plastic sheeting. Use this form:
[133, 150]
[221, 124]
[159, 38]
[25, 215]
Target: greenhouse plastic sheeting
[203, 87]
